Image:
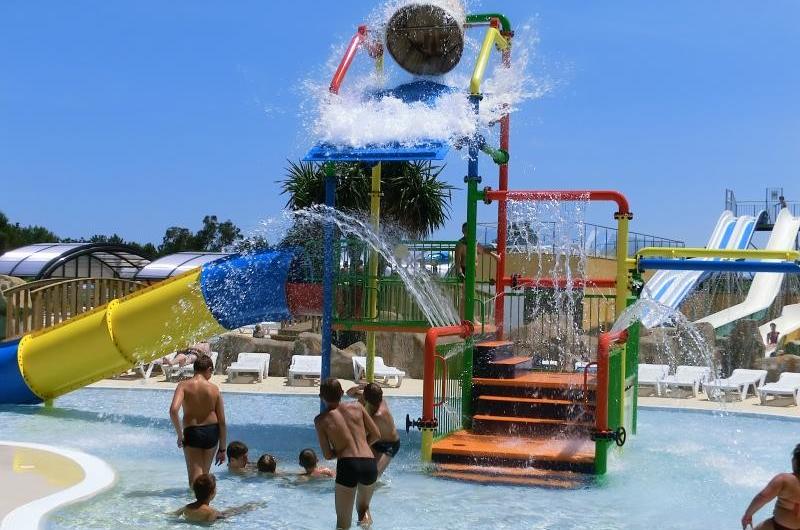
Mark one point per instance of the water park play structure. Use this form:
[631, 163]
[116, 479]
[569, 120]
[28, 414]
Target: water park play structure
[486, 416]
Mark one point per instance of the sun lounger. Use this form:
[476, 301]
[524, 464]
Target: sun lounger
[188, 370]
[388, 375]
[788, 384]
[650, 375]
[740, 382]
[250, 363]
[686, 377]
[580, 367]
[305, 368]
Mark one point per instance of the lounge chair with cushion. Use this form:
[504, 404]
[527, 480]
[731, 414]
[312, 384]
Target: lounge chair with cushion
[188, 370]
[687, 377]
[305, 368]
[388, 375]
[739, 382]
[788, 384]
[650, 375]
[250, 363]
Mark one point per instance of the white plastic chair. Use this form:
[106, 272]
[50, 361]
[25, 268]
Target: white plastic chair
[388, 375]
[686, 377]
[650, 375]
[305, 368]
[250, 363]
[740, 382]
[788, 384]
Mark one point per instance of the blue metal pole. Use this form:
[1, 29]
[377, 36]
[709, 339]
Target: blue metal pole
[327, 275]
[789, 267]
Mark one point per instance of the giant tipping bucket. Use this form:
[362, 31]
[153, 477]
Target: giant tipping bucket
[427, 37]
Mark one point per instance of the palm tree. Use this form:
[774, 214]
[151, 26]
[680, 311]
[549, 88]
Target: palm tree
[413, 196]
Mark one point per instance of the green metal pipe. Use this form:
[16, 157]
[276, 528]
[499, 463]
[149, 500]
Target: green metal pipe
[482, 18]
[499, 156]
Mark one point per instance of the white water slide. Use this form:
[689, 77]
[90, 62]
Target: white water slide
[766, 285]
[670, 288]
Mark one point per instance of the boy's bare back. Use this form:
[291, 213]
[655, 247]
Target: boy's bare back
[200, 399]
[345, 430]
[385, 422]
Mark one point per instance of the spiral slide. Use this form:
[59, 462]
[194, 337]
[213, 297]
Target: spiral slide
[222, 295]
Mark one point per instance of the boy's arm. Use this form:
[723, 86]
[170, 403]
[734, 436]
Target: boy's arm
[764, 496]
[356, 392]
[174, 409]
[223, 431]
[324, 442]
[372, 431]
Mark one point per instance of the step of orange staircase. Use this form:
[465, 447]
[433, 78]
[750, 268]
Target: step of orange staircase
[534, 401]
[548, 380]
[543, 452]
[516, 476]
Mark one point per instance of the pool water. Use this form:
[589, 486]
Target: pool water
[684, 470]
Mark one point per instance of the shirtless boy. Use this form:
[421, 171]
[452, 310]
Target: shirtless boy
[202, 432]
[371, 396]
[310, 463]
[786, 487]
[346, 432]
[200, 511]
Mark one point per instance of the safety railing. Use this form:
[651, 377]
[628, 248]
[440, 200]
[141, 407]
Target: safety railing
[42, 304]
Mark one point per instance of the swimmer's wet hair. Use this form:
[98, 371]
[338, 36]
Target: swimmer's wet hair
[204, 487]
[308, 458]
[373, 394]
[236, 450]
[203, 363]
[266, 463]
[331, 390]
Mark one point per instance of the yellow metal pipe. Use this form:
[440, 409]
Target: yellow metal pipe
[622, 293]
[375, 220]
[426, 450]
[493, 37]
[789, 255]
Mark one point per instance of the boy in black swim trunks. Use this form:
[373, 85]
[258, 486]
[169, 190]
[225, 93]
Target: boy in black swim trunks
[345, 432]
[201, 433]
[371, 396]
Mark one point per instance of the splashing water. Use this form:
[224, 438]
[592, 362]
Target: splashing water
[420, 284]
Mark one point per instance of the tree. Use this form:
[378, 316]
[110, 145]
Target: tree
[213, 236]
[14, 236]
[413, 196]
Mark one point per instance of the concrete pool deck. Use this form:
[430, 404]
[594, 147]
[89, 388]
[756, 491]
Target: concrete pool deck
[783, 407]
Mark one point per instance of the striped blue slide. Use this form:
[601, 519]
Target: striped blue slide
[670, 288]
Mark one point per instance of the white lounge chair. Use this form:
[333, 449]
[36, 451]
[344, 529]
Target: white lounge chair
[250, 363]
[650, 375]
[740, 382]
[686, 377]
[580, 367]
[788, 384]
[305, 368]
[388, 375]
[188, 370]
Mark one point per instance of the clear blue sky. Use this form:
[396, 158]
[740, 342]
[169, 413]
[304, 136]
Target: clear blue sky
[129, 117]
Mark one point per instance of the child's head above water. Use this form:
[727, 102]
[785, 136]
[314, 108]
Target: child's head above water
[266, 463]
[373, 394]
[237, 455]
[308, 459]
[205, 488]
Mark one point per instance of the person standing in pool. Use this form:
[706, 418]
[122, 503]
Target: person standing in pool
[786, 487]
[385, 449]
[202, 433]
[346, 432]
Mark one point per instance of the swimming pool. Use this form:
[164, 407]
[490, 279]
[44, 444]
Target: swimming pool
[684, 470]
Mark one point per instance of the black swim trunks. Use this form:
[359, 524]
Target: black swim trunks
[387, 448]
[352, 471]
[201, 436]
[777, 526]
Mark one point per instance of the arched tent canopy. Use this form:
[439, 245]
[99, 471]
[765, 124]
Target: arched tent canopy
[72, 260]
[175, 264]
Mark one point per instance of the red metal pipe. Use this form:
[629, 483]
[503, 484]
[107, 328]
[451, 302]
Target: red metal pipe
[562, 195]
[381, 327]
[604, 344]
[347, 59]
[502, 218]
[463, 330]
[561, 283]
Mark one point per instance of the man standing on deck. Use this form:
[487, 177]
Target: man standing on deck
[346, 432]
[202, 432]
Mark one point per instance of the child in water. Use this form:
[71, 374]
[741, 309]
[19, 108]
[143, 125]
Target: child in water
[200, 511]
[308, 460]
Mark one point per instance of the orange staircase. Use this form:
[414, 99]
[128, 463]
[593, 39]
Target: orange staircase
[529, 428]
